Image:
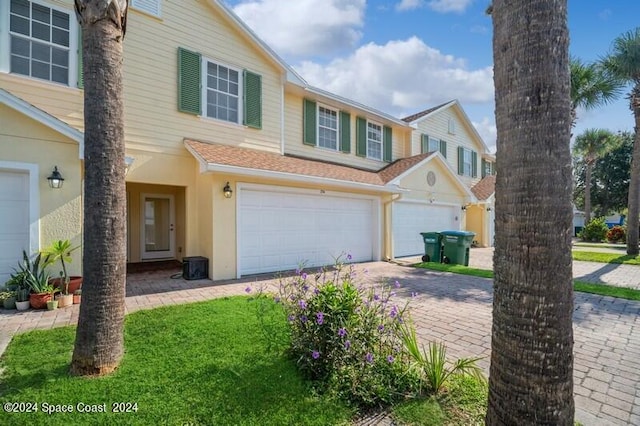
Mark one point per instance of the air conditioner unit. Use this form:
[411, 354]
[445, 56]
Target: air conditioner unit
[195, 268]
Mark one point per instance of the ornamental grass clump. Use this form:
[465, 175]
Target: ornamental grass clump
[346, 337]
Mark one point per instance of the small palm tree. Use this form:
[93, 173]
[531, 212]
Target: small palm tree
[590, 146]
[623, 62]
[591, 86]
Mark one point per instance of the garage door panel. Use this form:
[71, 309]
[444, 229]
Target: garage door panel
[410, 219]
[14, 220]
[298, 228]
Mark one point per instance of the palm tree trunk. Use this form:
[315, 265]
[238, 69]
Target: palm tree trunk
[633, 222]
[587, 192]
[531, 377]
[99, 344]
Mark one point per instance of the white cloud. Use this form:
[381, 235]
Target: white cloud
[445, 6]
[488, 131]
[409, 5]
[302, 26]
[401, 77]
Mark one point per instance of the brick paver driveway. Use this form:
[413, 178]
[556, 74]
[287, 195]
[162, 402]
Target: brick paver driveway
[455, 309]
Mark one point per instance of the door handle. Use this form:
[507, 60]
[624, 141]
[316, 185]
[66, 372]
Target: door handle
[171, 227]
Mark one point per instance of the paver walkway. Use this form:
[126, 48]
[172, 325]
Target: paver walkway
[455, 309]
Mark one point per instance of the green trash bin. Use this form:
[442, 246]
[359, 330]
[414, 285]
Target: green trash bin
[455, 246]
[432, 246]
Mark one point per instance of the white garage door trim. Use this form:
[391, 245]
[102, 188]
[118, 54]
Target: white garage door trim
[416, 247]
[375, 213]
[34, 199]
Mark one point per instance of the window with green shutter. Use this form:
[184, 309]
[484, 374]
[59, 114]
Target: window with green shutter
[80, 65]
[467, 162]
[474, 164]
[309, 122]
[443, 148]
[424, 143]
[387, 141]
[189, 80]
[252, 100]
[345, 132]
[485, 168]
[460, 160]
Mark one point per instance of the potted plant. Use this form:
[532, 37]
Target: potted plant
[61, 250]
[52, 303]
[8, 299]
[22, 299]
[36, 279]
[77, 296]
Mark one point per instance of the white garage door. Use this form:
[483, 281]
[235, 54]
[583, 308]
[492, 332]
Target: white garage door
[278, 230]
[410, 219]
[14, 220]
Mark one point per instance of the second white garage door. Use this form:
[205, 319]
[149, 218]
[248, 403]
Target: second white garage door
[410, 219]
[14, 220]
[278, 229]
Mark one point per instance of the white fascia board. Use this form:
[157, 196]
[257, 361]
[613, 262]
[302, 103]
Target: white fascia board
[435, 111]
[201, 161]
[237, 170]
[44, 118]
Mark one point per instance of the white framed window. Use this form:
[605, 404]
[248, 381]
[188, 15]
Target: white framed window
[374, 141]
[327, 128]
[41, 41]
[222, 97]
[467, 162]
[434, 144]
[152, 7]
[452, 126]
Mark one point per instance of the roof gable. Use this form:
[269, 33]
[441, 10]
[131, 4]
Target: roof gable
[484, 189]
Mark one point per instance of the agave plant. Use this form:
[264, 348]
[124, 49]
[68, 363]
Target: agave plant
[35, 274]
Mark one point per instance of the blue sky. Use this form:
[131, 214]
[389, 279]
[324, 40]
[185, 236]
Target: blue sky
[403, 56]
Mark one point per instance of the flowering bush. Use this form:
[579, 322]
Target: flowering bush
[347, 337]
[616, 234]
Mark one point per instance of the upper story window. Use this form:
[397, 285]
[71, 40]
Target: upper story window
[467, 162]
[152, 7]
[327, 128]
[374, 141]
[40, 39]
[431, 144]
[210, 89]
[451, 126]
[222, 92]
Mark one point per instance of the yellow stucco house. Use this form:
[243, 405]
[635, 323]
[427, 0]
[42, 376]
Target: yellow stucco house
[230, 154]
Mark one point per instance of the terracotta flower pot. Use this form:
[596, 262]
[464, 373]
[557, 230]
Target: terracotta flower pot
[39, 300]
[75, 282]
[77, 298]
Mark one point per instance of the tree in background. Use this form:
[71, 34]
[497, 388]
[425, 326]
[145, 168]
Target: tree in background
[591, 87]
[591, 145]
[610, 179]
[531, 374]
[623, 62]
[99, 345]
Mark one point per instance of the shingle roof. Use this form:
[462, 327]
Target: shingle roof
[485, 188]
[420, 114]
[227, 155]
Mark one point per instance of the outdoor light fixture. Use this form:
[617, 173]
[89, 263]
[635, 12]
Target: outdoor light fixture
[56, 179]
[489, 208]
[464, 208]
[228, 192]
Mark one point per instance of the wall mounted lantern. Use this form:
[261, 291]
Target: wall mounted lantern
[489, 208]
[228, 192]
[463, 208]
[56, 179]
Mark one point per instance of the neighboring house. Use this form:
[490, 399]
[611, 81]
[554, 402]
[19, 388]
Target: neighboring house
[211, 109]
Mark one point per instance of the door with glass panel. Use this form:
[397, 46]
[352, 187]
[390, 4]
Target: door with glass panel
[158, 226]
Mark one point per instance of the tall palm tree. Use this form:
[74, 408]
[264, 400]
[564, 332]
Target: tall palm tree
[624, 63]
[591, 145]
[531, 377]
[99, 345]
[591, 87]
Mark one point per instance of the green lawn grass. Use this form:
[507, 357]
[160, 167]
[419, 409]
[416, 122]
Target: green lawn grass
[593, 256]
[206, 363]
[581, 286]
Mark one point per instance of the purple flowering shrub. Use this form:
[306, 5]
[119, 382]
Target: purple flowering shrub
[347, 337]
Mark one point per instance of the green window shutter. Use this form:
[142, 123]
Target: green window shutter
[309, 122]
[345, 132]
[189, 81]
[424, 143]
[80, 66]
[493, 168]
[361, 137]
[387, 143]
[474, 164]
[460, 160]
[443, 148]
[252, 99]
[483, 169]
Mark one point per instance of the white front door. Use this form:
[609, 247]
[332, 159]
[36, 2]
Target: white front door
[158, 226]
[14, 220]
